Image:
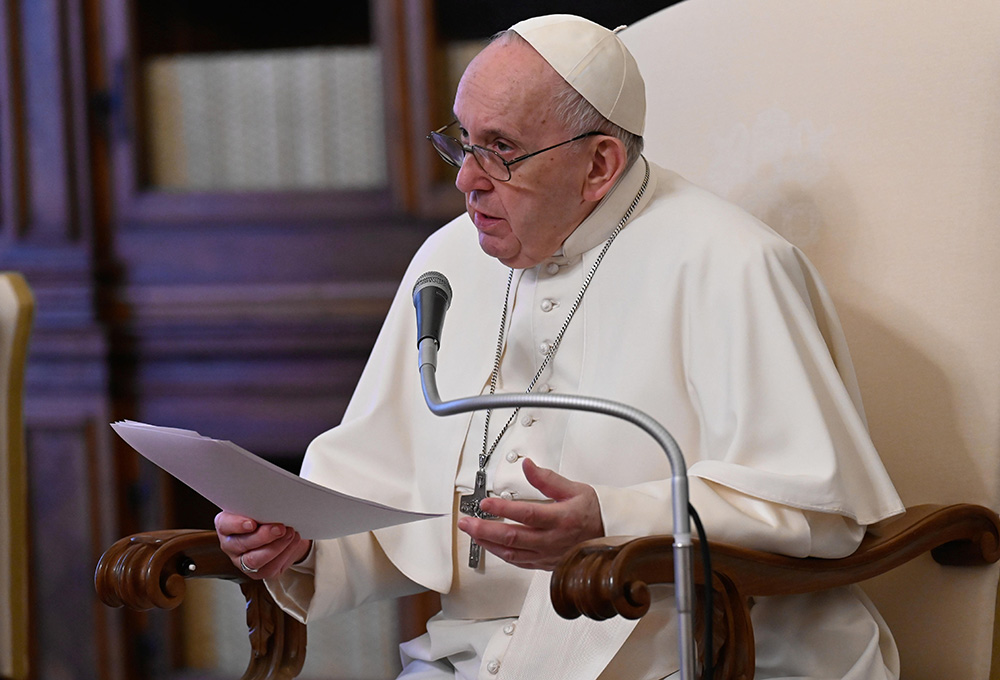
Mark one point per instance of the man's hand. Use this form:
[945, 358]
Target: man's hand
[267, 550]
[545, 531]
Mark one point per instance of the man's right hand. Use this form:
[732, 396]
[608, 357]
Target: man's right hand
[259, 550]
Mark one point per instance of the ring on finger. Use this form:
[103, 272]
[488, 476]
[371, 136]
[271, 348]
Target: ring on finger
[245, 568]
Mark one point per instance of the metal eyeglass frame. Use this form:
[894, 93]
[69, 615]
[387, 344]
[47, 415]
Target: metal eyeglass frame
[446, 144]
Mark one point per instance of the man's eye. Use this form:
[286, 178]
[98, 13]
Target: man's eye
[503, 149]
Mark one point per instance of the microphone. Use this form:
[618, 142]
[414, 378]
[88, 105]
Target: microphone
[431, 297]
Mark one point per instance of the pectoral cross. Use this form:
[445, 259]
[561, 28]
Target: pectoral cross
[469, 505]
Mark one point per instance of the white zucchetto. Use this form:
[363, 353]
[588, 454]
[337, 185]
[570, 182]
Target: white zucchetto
[594, 61]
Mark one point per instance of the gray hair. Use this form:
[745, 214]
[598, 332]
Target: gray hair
[579, 115]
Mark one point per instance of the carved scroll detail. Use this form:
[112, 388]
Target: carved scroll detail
[609, 577]
[147, 571]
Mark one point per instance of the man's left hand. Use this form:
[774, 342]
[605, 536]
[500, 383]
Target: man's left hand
[544, 531]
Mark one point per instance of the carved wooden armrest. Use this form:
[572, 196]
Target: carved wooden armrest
[609, 577]
[148, 570]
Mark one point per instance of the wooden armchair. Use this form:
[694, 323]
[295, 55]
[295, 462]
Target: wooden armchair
[16, 311]
[599, 579]
[147, 571]
[603, 578]
[866, 134]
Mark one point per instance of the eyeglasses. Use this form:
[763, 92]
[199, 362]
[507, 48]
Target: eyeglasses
[493, 164]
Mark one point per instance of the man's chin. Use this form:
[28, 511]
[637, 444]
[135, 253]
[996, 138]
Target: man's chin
[501, 254]
[514, 262]
[508, 254]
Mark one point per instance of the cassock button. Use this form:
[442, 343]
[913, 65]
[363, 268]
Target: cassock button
[547, 305]
[493, 667]
[511, 456]
[507, 495]
[527, 420]
[552, 268]
[544, 347]
[509, 628]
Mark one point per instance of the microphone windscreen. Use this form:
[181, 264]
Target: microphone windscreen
[431, 298]
[436, 279]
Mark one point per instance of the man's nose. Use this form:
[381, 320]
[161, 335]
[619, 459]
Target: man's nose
[471, 176]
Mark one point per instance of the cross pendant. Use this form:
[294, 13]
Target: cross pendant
[469, 505]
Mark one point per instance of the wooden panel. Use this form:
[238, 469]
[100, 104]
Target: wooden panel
[46, 212]
[51, 50]
[11, 129]
[433, 179]
[69, 479]
[334, 250]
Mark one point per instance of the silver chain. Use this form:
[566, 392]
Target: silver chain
[484, 457]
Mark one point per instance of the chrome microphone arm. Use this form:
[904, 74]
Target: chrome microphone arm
[682, 547]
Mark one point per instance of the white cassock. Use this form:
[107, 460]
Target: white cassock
[700, 316]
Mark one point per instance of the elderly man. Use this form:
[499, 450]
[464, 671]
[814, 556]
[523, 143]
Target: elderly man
[580, 267]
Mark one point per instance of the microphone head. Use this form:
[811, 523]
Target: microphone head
[431, 298]
[433, 279]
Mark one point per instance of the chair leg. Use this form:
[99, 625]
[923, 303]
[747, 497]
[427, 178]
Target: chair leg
[732, 633]
[277, 641]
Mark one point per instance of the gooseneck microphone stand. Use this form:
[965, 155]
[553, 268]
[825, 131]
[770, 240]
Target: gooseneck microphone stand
[427, 348]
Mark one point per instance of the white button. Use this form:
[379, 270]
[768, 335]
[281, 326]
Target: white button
[506, 495]
[545, 389]
[527, 420]
[552, 268]
[512, 456]
[547, 305]
[509, 629]
[493, 667]
[544, 347]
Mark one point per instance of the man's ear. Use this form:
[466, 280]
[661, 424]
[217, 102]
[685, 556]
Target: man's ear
[606, 165]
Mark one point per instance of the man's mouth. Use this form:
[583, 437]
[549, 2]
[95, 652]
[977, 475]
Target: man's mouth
[483, 221]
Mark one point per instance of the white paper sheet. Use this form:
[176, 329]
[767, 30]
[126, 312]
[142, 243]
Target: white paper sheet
[240, 482]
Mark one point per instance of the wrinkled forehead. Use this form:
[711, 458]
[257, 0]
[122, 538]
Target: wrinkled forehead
[507, 86]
